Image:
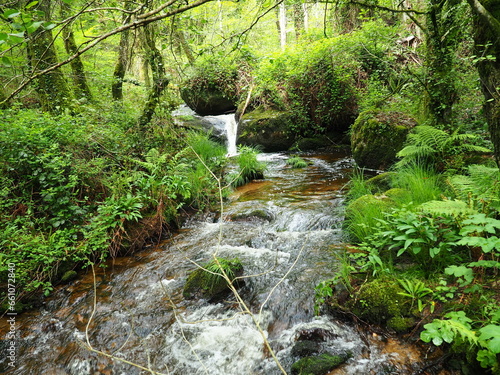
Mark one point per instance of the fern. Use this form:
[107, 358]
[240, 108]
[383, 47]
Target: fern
[455, 208]
[432, 144]
[481, 187]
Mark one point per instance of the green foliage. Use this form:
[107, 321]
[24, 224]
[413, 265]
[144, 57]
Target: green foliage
[296, 162]
[416, 290]
[424, 183]
[480, 231]
[249, 167]
[480, 188]
[457, 328]
[437, 147]
[72, 192]
[457, 325]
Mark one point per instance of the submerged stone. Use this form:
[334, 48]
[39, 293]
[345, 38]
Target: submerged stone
[318, 365]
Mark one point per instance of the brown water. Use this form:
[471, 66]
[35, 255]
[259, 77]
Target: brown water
[141, 317]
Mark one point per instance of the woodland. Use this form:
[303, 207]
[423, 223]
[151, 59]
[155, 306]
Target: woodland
[93, 165]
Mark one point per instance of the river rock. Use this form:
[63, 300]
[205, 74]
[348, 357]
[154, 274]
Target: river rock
[318, 365]
[204, 284]
[266, 129]
[208, 101]
[376, 137]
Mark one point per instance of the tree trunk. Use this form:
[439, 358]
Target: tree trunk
[122, 62]
[160, 81]
[82, 89]
[51, 88]
[441, 46]
[299, 19]
[282, 24]
[487, 45]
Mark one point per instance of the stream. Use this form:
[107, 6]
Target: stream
[286, 230]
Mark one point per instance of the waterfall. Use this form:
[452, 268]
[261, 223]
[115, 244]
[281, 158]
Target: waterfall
[228, 126]
[231, 133]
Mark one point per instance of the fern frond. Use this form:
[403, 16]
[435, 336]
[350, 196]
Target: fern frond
[432, 137]
[454, 208]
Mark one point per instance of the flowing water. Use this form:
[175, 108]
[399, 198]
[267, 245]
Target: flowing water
[285, 229]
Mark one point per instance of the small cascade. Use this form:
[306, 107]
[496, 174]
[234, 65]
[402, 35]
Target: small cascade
[228, 127]
[231, 133]
[286, 231]
[224, 127]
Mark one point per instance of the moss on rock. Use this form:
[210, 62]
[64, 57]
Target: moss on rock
[267, 129]
[376, 137]
[378, 301]
[401, 324]
[208, 281]
[318, 365]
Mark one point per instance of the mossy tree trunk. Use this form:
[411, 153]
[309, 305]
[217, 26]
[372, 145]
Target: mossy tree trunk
[123, 60]
[82, 89]
[51, 87]
[487, 45]
[160, 81]
[441, 41]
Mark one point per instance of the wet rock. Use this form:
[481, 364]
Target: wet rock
[211, 285]
[376, 137]
[306, 348]
[266, 129]
[378, 301]
[255, 215]
[315, 334]
[69, 276]
[318, 365]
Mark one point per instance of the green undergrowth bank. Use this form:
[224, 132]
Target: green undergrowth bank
[425, 259]
[76, 190]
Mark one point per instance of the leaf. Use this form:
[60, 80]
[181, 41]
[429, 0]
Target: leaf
[11, 13]
[16, 38]
[31, 5]
[6, 61]
[491, 334]
[49, 25]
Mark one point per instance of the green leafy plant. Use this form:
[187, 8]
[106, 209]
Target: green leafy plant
[416, 290]
[296, 162]
[435, 146]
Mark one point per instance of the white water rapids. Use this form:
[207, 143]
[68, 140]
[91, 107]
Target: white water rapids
[285, 230]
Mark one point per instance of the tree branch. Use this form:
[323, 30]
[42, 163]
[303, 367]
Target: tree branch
[153, 16]
[485, 15]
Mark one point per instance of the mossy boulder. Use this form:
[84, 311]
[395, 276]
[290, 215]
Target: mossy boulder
[380, 182]
[379, 202]
[208, 282]
[376, 137]
[266, 129]
[398, 194]
[318, 365]
[401, 324]
[208, 101]
[379, 301]
[211, 88]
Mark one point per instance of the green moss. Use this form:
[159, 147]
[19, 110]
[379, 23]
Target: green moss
[398, 195]
[378, 301]
[400, 324]
[318, 365]
[380, 182]
[68, 276]
[208, 281]
[376, 137]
